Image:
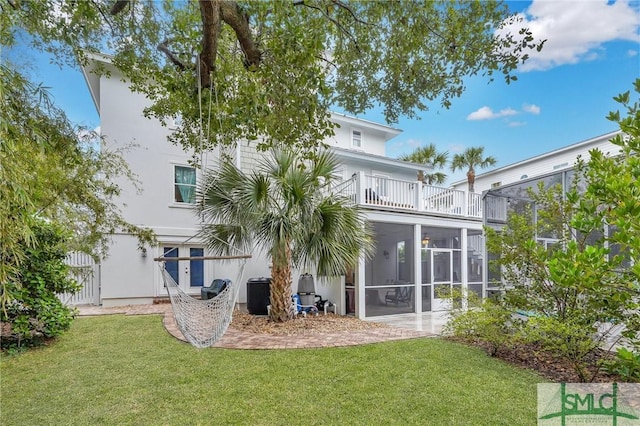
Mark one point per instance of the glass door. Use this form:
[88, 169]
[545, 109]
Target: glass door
[441, 277]
[190, 274]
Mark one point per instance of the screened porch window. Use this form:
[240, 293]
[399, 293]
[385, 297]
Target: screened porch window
[184, 184]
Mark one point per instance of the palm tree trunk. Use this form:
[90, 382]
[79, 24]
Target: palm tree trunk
[471, 179]
[280, 288]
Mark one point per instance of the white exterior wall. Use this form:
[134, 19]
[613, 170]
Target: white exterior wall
[374, 135]
[249, 157]
[560, 159]
[348, 167]
[371, 142]
[128, 277]
[122, 124]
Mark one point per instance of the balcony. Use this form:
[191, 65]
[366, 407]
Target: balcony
[400, 195]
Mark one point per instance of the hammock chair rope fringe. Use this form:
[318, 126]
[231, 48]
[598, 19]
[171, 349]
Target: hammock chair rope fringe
[203, 322]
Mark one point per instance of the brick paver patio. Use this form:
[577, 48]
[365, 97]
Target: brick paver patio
[235, 339]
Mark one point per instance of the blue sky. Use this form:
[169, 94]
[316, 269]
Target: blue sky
[561, 97]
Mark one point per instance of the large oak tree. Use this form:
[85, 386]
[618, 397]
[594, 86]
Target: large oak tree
[270, 70]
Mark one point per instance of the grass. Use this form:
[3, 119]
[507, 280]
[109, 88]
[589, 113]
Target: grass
[128, 370]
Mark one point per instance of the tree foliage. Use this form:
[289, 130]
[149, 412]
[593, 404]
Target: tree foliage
[583, 287]
[269, 71]
[285, 207]
[35, 312]
[51, 170]
[470, 159]
[432, 159]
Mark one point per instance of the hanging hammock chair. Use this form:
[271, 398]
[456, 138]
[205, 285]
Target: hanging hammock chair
[203, 322]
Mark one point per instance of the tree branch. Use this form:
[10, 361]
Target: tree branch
[210, 15]
[353, 15]
[232, 14]
[164, 48]
[331, 19]
[118, 6]
[104, 16]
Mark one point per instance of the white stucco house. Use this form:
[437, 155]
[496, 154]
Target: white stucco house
[428, 238]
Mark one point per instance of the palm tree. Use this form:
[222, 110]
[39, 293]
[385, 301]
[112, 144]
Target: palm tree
[430, 157]
[285, 208]
[471, 158]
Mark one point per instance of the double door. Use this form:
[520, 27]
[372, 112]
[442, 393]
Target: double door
[190, 275]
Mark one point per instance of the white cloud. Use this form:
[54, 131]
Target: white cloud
[413, 143]
[486, 113]
[575, 30]
[531, 109]
[517, 123]
[631, 53]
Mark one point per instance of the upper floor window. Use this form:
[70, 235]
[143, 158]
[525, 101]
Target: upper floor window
[356, 138]
[184, 183]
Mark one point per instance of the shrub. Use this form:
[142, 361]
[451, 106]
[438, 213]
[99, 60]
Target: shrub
[566, 339]
[34, 312]
[586, 284]
[626, 365]
[491, 324]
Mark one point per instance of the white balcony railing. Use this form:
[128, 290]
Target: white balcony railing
[395, 194]
[382, 191]
[474, 207]
[346, 188]
[443, 200]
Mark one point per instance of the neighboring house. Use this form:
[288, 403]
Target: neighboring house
[548, 163]
[506, 189]
[428, 239]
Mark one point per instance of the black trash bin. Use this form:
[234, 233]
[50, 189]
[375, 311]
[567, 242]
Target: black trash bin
[258, 295]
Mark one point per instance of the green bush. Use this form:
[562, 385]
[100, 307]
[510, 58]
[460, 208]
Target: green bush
[491, 324]
[34, 312]
[626, 365]
[566, 338]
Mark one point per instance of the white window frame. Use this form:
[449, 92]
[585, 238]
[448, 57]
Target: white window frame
[353, 139]
[172, 199]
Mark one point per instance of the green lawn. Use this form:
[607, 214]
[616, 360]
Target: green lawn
[128, 370]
